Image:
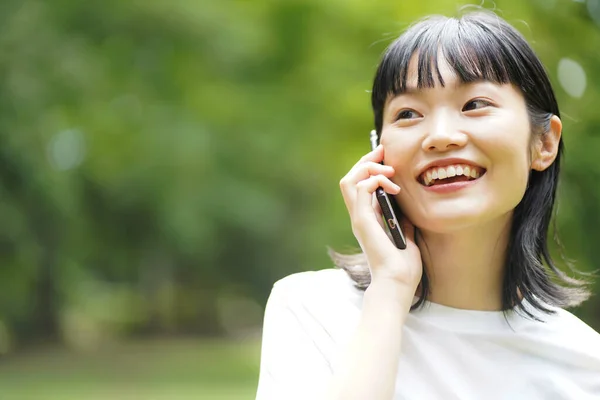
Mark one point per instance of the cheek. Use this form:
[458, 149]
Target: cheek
[399, 152]
[510, 157]
[512, 185]
[509, 170]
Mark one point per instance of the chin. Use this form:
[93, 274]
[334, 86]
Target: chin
[453, 220]
[448, 225]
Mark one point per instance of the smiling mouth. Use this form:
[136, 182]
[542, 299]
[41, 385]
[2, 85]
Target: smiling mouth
[450, 174]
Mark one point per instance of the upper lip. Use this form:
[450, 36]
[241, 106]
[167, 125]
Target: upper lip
[447, 161]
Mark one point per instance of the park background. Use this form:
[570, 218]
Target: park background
[163, 163]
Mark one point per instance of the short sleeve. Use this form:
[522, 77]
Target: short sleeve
[293, 364]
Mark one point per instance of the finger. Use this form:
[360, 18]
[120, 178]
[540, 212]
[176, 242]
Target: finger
[360, 173]
[365, 170]
[366, 188]
[375, 156]
[367, 225]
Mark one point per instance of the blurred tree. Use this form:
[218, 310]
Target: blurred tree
[158, 157]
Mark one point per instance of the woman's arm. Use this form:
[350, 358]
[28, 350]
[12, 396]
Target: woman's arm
[370, 364]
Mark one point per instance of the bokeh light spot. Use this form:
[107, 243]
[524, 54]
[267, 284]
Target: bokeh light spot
[572, 77]
[66, 150]
[593, 7]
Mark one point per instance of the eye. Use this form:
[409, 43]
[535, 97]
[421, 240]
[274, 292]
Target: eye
[476, 104]
[407, 114]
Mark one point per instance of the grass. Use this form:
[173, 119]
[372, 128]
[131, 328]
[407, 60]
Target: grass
[149, 370]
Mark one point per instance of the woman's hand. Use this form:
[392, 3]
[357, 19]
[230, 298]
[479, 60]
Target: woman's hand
[386, 261]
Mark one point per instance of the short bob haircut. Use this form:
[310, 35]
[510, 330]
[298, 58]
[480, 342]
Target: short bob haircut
[481, 46]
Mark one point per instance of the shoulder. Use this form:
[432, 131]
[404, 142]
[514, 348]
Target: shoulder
[331, 279]
[327, 298]
[569, 333]
[321, 287]
[573, 328]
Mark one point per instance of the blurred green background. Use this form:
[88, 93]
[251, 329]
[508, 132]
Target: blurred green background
[162, 163]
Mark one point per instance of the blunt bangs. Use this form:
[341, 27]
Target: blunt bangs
[478, 47]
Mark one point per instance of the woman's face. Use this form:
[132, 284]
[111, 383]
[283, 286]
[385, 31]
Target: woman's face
[484, 125]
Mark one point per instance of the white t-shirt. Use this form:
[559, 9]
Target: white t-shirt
[447, 353]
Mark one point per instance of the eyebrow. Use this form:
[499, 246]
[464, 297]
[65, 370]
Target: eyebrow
[414, 90]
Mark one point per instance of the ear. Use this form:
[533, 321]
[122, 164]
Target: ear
[545, 146]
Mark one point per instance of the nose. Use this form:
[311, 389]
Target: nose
[444, 134]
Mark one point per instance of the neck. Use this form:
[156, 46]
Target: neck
[466, 268]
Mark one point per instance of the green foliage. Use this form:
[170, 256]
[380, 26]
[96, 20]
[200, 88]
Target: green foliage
[156, 157]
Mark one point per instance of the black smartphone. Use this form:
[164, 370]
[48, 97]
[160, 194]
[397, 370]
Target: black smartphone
[389, 206]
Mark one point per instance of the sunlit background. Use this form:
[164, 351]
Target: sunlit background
[162, 163]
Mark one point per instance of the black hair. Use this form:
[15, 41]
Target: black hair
[482, 46]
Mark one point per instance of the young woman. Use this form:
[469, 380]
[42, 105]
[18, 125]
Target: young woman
[474, 307]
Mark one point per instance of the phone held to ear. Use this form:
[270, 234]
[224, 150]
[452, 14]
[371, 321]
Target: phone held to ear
[389, 206]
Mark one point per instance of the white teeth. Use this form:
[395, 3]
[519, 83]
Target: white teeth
[447, 172]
